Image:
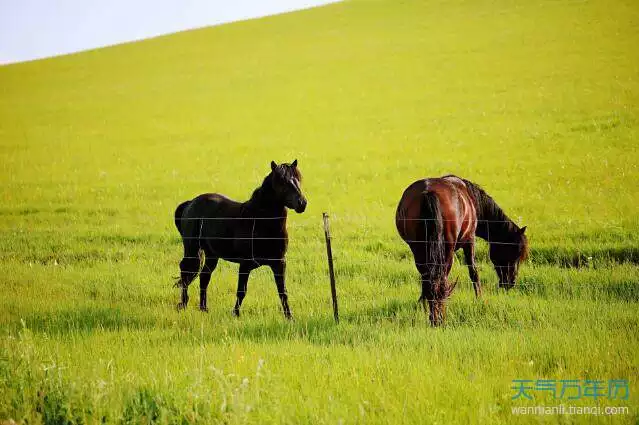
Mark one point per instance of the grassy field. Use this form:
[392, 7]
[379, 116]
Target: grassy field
[536, 101]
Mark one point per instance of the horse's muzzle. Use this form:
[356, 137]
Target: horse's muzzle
[301, 206]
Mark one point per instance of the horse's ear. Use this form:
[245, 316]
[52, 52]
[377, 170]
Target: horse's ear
[294, 164]
[273, 165]
[522, 230]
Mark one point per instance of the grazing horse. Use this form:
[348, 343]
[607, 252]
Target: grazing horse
[437, 216]
[252, 233]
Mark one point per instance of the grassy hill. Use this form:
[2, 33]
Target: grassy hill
[536, 101]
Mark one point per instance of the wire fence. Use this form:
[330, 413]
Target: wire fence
[353, 235]
[351, 232]
[354, 232]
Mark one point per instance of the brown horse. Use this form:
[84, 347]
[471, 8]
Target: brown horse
[252, 233]
[437, 216]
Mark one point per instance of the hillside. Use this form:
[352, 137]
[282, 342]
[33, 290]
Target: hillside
[536, 101]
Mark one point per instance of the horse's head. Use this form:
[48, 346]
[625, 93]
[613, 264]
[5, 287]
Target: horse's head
[287, 184]
[506, 256]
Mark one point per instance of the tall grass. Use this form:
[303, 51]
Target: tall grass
[537, 102]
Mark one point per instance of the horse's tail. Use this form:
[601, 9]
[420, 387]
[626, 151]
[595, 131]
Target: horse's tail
[179, 211]
[431, 215]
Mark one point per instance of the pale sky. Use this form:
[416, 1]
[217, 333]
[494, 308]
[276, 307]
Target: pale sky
[33, 29]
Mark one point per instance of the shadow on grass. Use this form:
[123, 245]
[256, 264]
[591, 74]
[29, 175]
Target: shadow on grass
[626, 291]
[355, 328]
[593, 257]
[86, 320]
[358, 326]
[368, 326]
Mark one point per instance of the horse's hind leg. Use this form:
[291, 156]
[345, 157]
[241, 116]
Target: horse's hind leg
[205, 278]
[423, 270]
[427, 287]
[189, 268]
[435, 305]
[428, 294]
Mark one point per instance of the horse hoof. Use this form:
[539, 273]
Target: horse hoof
[204, 310]
[236, 313]
[180, 306]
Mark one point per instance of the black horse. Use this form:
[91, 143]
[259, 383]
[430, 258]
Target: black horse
[252, 233]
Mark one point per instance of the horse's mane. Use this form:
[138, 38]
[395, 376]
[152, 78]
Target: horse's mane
[487, 208]
[525, 250]
[262, 190]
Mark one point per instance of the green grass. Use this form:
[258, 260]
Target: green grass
[536, 101]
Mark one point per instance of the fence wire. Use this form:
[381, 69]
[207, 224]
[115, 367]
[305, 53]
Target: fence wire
[357, 230]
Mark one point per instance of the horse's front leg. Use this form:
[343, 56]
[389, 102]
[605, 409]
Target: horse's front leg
[279, 271]
[242, 285]
[469, 258]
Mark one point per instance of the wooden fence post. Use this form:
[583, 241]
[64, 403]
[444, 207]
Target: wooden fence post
[331, 273]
